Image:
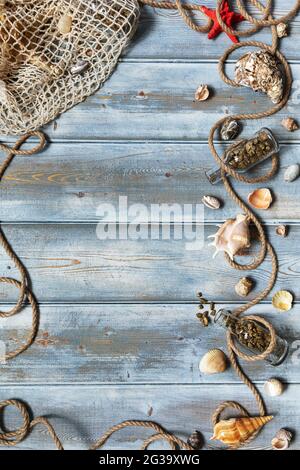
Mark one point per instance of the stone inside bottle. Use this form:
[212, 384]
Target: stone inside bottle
[253, 336]
[247, 153]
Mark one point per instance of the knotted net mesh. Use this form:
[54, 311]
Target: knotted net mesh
[55, 53]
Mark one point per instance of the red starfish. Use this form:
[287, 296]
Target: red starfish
[229, 18]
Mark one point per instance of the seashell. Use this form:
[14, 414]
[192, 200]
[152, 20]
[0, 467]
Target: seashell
[260, 198]
[3, 93]
[211, 202]
[282, 439]
[80, 67]
[282, 30]
[202, 93]
[290, 124]
[274, 388]
[292, 173]
[232, 236]
[283, 300]
[64, 24]
[230, 129]
[260, 71]
[213, 362]
[244, 287]
[282, 230]
[195, 440]
[235, 431]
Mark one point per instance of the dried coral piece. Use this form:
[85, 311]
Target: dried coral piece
[282, 230]
[230, 129]
[211, 202]
[202, 93]
[282, 30]
[235, 431]
[273, 388]
[290, 124]
[213, 362]
[64, 24]
[260, 198]
[283, 300]
[232, 236]
[292, 173]
[244, 287]
[260, 71]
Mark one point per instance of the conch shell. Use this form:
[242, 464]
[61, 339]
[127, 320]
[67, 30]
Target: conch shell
[232, 236]
[236, 431]
[260, 71]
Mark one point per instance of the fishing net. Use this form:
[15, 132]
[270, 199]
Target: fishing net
[55, 53]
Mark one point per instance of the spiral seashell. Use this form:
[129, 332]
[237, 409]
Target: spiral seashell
[282, 439]
[236, 431]
[233, 236]
[211, 202]
[274, 388]
[202, 93]
[292, 173]
[283, 300]
[213, 362]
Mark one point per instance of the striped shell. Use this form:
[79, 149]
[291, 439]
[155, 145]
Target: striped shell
[283, 300]
[235, 431]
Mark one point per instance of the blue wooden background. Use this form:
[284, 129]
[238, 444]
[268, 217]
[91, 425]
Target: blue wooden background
[118, 336]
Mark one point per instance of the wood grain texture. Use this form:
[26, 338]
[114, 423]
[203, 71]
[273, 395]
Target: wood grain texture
[155, 101]
[67, 263]
[63, 185]
[163, 35]
[129, 344]
[80, 414]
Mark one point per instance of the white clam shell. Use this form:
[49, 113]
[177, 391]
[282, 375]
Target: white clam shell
[274, 388]
[283, 300]
[292, 173]
[211, 202]
[213, 362]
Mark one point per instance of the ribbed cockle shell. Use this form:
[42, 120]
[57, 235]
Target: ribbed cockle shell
[236, 431]
[233, 236]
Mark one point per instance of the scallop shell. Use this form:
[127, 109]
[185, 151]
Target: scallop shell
[211, 202]
[213, 362]
[283, 300]
[202, 93]
[274, 388]
[244, 287]
[232, 236]
[260, 71]
[230, 129]
[64, 25]
[292, 173]
[235, 431]
[260, 198]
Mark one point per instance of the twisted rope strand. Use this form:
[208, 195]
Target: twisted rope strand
[24, 291]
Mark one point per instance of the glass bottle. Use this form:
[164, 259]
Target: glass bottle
[247, 153]
[252, 336]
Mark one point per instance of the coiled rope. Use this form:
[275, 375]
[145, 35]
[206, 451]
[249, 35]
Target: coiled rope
[13, 438]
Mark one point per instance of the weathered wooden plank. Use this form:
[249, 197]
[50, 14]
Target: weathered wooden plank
[80, 414]
[162, 34]
[155, 101]
[131, 344]
[68, 263]
[63, 184]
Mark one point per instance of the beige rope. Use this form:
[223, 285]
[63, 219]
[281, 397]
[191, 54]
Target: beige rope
[24, 291]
